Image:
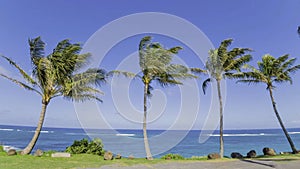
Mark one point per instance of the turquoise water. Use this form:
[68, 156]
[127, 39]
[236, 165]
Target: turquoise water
[130, 142]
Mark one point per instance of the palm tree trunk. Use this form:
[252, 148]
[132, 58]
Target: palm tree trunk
[35, 137]
[294, 150]
[221, 119]
[147, 148]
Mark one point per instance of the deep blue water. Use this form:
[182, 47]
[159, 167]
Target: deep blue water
[127, 142]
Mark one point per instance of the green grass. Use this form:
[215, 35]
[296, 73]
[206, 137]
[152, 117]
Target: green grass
[281, 157]
[94, 161]
[76, 161]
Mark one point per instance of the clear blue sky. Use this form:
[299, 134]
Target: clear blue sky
[266, 26]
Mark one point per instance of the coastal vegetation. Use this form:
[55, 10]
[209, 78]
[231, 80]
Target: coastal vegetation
[272, 70]
[222, 64]
[156, 65]
[60, 74]
[56, 75]
[85, 146]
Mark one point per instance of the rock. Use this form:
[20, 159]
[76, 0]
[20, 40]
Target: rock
[130, 157]
[118, 156]
[108, 155]
[61, 154]
[251, 154]
[11, 152]
[236, 155]
[213, 156]
[269, 151]
[38, 153]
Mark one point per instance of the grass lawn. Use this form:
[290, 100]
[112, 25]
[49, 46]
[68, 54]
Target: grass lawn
[94, 161]
[280, 157]
[76, 161]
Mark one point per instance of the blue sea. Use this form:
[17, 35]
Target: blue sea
[130, 142]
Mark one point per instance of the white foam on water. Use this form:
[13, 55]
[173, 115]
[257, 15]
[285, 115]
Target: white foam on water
[6, 129]
[125, 135]
[242, 135]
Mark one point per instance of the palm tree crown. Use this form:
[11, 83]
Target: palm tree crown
[270, 70]
[155, 63]
[222, 63]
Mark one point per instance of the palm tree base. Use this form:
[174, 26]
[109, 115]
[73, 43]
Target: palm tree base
[149, 158]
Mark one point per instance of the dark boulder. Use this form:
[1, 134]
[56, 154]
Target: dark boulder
[11, 152]
[251, 154]
[269, 151]
[236, 155]
[213, 156]
[108, 155]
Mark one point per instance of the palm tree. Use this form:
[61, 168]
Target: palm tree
[155, 63]
[271, 70]
[222, 64]
[55, 75]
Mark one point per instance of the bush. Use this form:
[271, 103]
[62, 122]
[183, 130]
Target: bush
[173, 157]
[95, 147]
[84, 146]
[1, 149]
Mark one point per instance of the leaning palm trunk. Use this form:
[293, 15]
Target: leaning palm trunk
[294, 150]
[147, 148]
[35, 137]
[221, 120]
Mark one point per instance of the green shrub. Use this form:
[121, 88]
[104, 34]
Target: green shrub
[95, 147]
[84, 146]
[172, 156]
[1, 149]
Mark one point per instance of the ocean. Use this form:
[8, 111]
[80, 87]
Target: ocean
[130, 142]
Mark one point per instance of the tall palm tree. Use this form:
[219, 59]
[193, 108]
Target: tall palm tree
[155, 63]
[57, 75]
[222, 64]
[271, 70]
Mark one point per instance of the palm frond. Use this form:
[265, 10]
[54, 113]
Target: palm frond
[198, 71]
[123, 73]
[287, 64]
[91, 76]
[236, 64]
[37, 47]
[166, 79]
[23, 85]
[21, 71]
[175, 50]
[293, 69]
[205, 84]
[83, 97]
[249, 81]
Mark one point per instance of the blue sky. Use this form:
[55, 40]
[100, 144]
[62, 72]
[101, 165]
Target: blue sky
[265, 26]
